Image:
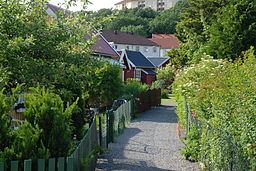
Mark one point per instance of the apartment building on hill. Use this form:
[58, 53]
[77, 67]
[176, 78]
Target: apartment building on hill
[158, 5]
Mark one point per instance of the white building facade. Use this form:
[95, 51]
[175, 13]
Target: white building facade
[131, 41]
[158, 5]
[148, 51]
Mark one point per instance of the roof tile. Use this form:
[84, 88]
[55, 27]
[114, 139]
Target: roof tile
[166, 41]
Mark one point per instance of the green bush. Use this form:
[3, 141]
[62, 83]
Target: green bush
[157, 85]
[133, 86]
[216, 105]
[46, 110]
[164, 94]
[167, 75]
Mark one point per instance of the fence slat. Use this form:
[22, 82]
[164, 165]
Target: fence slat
[14, 165]
[1, 166]
[70, 164]
[51, 165]
[27, 165]
[41, 164]
[61, 164]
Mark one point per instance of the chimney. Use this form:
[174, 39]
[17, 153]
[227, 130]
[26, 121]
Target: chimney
[115, 32]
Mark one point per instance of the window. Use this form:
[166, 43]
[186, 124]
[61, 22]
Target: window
[138, 73]
[137, 48]
[145, 49]
[141, 4]
[154, 49]
[127, 47]
[116, 46]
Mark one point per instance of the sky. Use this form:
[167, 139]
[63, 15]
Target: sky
[96, 4]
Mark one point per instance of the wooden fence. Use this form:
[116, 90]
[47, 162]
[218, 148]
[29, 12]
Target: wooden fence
[111, 125]
[73, 163]
[145, 100]
[60, 164]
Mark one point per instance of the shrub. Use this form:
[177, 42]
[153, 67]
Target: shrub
[165, 94]
[46, 110]
[167, 75]
[157, 85]
[133, 86]
[216, 101]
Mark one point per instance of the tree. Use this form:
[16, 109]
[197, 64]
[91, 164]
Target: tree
[234, 31]
[167, 75]
[222, 29]
[167, 20]
[139, 29]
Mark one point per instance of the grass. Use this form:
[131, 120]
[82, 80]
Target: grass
[171, 99]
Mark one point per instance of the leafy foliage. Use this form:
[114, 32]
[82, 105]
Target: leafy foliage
[46, 110]
[166, 75]
[220, 28]
[142, 21]
[221, 98]
[133, 86]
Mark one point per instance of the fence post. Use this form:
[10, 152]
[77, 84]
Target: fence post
[1, 166]
[61, 164]
[51, 166]
[27, 165]
[41, 164]
[14, 165]
[70, 164]
[100, 130]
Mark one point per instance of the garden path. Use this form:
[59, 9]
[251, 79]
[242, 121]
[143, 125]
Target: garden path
[150, 142]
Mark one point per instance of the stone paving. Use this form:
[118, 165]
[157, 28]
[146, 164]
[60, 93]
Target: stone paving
[149, 143]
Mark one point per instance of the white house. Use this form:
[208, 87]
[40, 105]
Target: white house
[158, 5]
[131, 41]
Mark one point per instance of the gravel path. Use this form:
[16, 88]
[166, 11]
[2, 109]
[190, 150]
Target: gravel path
[148, 143]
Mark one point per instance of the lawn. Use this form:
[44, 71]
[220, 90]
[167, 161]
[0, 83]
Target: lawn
[171, 99]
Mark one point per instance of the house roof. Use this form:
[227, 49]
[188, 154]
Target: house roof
[124, 1]
[149, 71]
[138, 59]
[103, 48]
[127, 38]
[55, 9]
[158, 61]
[165, 41]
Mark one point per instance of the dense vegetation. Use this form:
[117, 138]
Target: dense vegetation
[215, 83]
[216, 103]
[220, 28]
[141, 21]
[52, 54]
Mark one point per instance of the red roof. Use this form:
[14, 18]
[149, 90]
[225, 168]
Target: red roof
[165, 41]
[103, 48]
[127, 38]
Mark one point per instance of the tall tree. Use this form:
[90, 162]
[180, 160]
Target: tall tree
[221, 28]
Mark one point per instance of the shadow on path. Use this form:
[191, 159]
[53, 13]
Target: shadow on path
[149, 143]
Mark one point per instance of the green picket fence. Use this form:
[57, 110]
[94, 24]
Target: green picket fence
[73, 163]
[118, 120]
[85, 149]
[60, 164]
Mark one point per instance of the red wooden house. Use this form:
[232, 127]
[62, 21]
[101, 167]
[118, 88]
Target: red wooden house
[137, 66]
